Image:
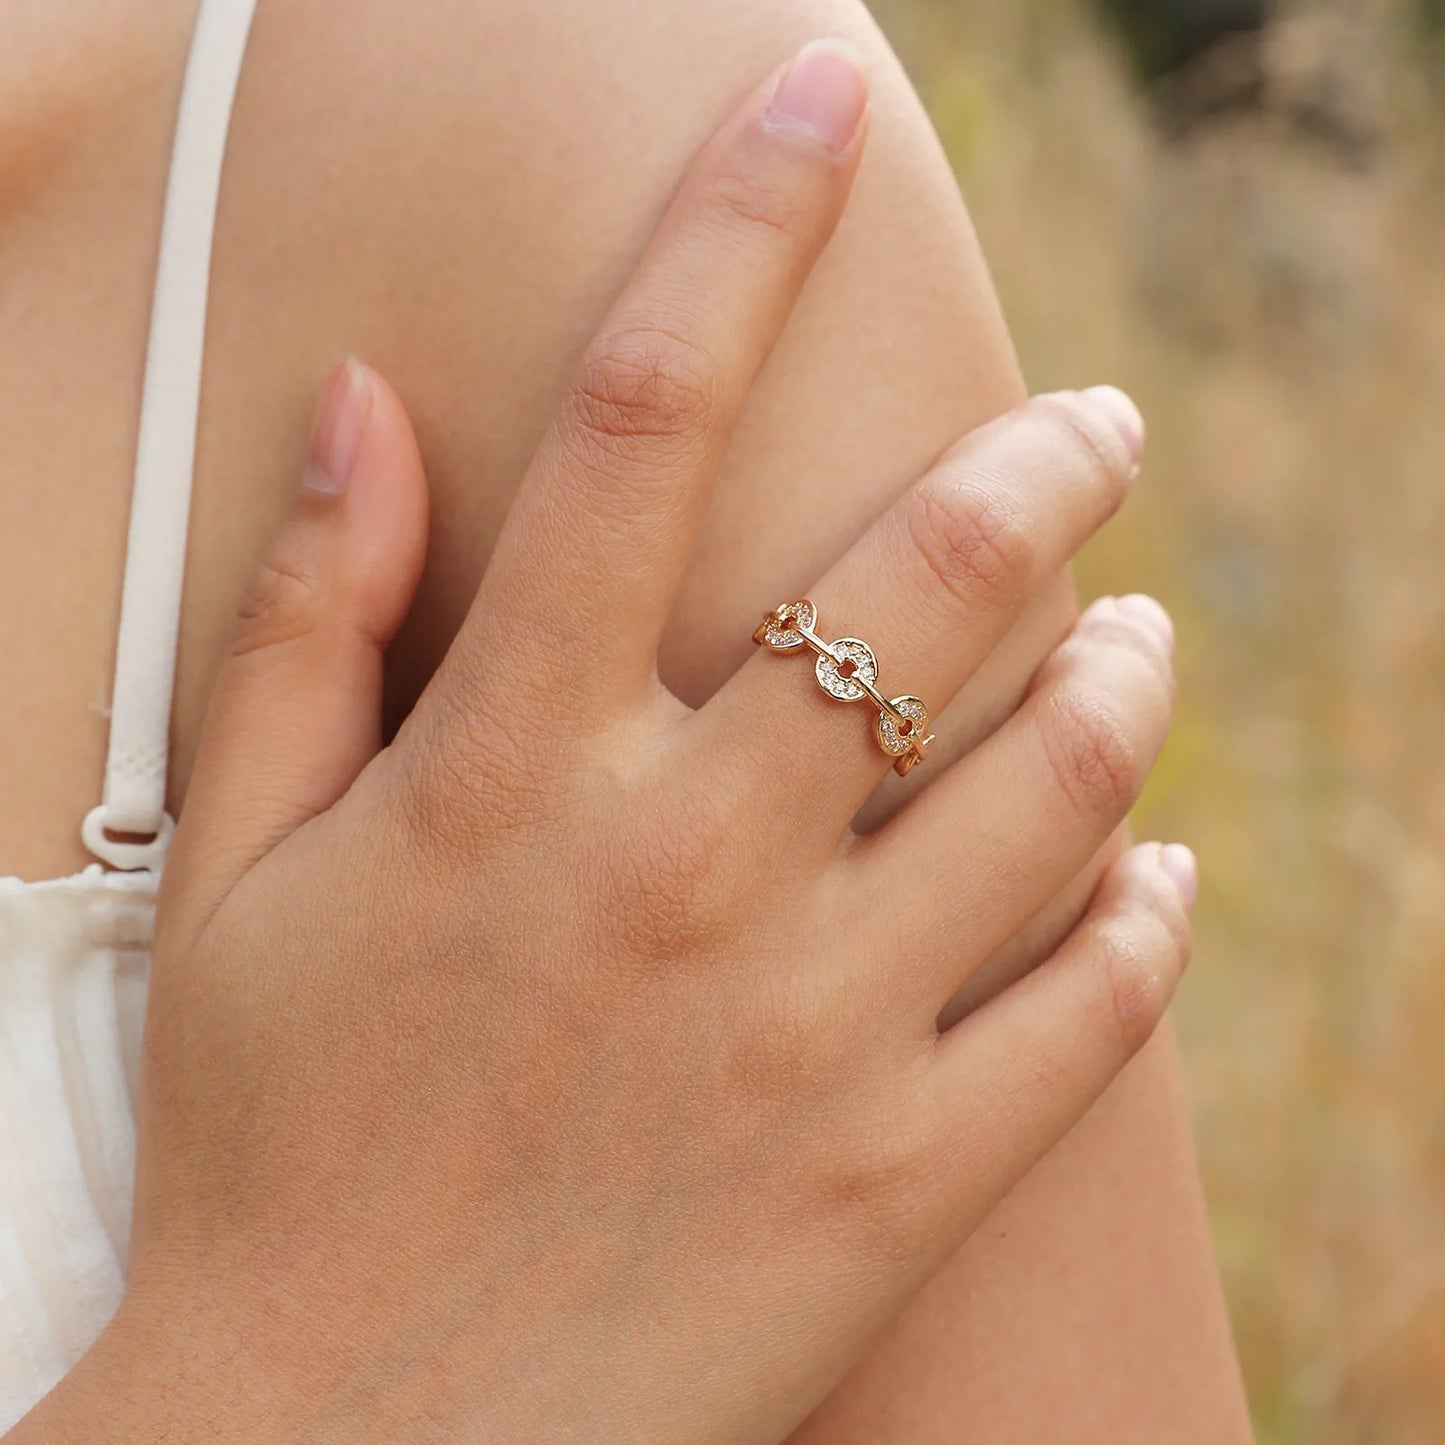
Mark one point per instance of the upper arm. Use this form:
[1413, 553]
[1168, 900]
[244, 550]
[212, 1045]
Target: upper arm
[456, 191]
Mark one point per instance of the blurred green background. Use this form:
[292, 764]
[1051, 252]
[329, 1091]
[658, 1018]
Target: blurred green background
[1236, 210]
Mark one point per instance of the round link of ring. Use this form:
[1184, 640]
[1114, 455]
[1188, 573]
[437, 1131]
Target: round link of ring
[848, 670]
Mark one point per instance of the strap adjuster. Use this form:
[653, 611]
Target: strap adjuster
[127, 856]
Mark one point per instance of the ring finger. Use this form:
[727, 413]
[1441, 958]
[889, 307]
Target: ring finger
[916, 606]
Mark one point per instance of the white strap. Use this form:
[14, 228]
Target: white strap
[145, 664]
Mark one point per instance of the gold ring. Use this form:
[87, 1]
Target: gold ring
[848, 670]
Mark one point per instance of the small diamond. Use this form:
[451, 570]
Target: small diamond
[892, 738]
[864, 668]
[783, 636]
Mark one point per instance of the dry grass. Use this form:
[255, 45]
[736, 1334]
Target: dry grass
[1277, 305]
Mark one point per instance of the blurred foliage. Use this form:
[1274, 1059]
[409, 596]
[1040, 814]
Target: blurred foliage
[1266, 279]
[1164, 36]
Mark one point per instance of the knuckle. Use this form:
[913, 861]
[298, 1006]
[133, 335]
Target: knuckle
[643, 387]
[1087, 448]
[1136, 959]
[437, 799]
[458, 788]
[662, 891]
[880, 1185]
[975, 547]
[1092, 752]
[783, 1055]
[751, 208]
[283, 602]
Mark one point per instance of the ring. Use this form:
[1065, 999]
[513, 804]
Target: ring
[848, 670]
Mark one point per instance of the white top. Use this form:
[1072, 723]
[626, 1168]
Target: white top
[74, 952]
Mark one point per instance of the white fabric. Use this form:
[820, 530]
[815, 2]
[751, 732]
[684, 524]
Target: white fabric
[74, 952]
[73, 958]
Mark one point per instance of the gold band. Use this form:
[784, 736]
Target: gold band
[848, 670]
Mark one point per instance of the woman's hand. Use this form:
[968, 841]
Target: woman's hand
[568, 1069]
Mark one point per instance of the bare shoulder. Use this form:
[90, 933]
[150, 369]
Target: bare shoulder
[455, 189]
[431, 162]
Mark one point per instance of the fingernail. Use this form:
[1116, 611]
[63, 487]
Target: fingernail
[1182, 867]
[336, 432]
[1151, 614]
[1120, 412]
[822, 94]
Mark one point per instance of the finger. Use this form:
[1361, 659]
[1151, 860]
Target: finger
[1012, 1079]
[590, 558]
[295, 712]
[931, 588]
[1008, 827]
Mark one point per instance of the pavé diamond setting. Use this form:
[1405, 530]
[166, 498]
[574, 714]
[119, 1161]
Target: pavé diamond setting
[848, 670]
[845, 668]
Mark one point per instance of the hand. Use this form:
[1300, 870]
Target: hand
[568, 1069]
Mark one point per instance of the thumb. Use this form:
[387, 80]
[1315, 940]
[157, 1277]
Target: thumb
[295, 713]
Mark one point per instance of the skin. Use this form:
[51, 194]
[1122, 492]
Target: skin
[684, 1215]
[1088, 1303]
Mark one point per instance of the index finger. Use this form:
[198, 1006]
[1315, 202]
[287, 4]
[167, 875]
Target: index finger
[596, 544]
